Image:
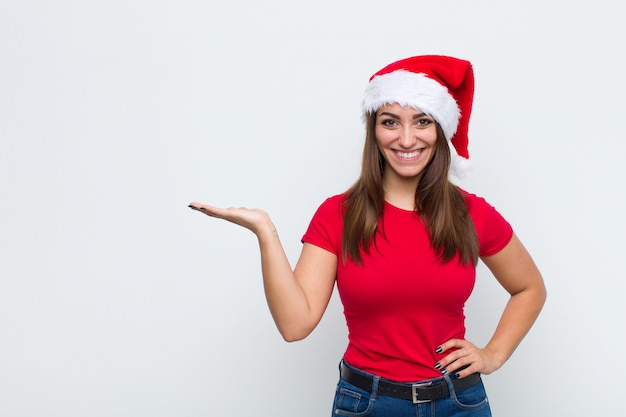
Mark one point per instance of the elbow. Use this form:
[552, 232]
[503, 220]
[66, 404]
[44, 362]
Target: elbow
[544, 296]
[289, 338]
[542, 293]
[538, 297]
[536, 293]
[294, 335]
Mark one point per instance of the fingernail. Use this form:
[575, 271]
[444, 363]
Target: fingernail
[444, 371]
[438, 350]
[437, 365]
[457, 375]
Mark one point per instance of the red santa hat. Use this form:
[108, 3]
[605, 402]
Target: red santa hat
[440, 86]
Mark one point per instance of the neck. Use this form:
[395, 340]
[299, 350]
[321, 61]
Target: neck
[400, 192]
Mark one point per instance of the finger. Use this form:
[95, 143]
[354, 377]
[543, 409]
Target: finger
[447, 363]
[464, 354]
[198, 206]
[461, 364]
[208, 210]
[462, 372]
[450, 344]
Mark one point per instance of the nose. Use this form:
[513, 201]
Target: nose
[407, 137]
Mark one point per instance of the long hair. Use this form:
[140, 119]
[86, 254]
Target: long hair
[438, 202]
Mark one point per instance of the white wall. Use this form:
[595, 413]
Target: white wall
[118, 300]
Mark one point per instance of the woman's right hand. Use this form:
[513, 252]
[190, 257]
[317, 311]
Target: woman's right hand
[255, 220]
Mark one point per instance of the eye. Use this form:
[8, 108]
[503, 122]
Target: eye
[388, 122]
[424, 122]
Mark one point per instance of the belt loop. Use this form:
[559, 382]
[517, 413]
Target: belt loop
[451, 388]
[375, 382]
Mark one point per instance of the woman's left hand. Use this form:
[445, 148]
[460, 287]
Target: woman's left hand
[465, 353]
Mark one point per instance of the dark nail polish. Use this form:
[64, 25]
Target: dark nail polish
[438, 350]
[457, 376]
[437, 365]
[444, 371]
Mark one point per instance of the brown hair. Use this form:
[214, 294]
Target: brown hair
[440, 204]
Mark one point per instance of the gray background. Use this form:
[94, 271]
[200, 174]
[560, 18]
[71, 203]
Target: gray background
[118, 300]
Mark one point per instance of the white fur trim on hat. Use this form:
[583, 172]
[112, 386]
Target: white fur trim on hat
[417, 91]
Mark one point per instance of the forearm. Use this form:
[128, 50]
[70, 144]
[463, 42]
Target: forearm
[286, 298]
[517, 318]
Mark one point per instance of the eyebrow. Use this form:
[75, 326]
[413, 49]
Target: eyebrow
[395, 116]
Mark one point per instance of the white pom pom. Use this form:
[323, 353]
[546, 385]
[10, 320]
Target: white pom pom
[459, 166]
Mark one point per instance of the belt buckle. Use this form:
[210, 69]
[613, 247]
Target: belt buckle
[415, 388]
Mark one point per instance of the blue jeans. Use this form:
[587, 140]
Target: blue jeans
[352, 401]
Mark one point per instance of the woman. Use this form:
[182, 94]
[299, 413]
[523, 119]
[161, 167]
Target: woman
[402, 244]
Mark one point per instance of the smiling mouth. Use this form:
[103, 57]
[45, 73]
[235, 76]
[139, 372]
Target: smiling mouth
[408, 155]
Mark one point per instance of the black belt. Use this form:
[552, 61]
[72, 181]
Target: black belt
[418, 392]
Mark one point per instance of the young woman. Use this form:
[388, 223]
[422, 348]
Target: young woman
[402, 245]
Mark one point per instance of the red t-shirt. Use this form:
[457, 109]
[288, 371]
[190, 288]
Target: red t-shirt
[402, 302]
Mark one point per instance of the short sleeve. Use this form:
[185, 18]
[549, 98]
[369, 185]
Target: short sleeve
[326, 227]
[493, 230]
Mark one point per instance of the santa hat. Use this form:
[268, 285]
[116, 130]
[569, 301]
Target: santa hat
[440, 86]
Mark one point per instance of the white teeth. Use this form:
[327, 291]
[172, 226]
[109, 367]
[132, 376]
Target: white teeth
[408, 154]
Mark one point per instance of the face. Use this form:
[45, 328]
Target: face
[406, 137]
